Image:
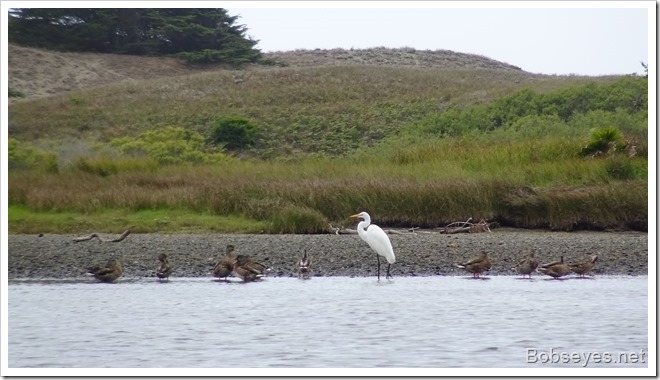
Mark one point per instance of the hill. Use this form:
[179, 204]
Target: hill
[38, 72]
[308, 102]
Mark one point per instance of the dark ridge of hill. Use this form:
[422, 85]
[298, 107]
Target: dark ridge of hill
[38, 72]
[389, 57]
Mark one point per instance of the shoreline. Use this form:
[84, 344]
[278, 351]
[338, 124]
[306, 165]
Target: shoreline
[194, 255]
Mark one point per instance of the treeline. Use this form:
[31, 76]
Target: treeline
[198, 35]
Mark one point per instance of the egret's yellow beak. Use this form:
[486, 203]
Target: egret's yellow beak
[355, 216]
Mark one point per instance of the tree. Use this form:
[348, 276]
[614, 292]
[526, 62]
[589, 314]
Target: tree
[199, 35]
[233, 133]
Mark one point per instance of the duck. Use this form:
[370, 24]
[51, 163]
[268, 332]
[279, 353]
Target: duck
[582, 267]
[247, 269]
[225, 266]
[112, 270]
[305, 267]
[555, 269]
[527, 265]
[477, 265]
[165, 269]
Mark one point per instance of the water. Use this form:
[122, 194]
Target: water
[434, 322]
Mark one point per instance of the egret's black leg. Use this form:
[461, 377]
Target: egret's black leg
[378, 259]
[388, 272]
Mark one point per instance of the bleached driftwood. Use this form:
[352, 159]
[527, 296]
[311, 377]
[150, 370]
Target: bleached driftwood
[348, 231]
[95, 235]
[467, 226]
[452, 228]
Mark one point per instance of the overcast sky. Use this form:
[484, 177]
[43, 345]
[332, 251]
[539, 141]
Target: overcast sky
[553, 39]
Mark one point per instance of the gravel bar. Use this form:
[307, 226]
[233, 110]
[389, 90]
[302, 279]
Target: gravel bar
[419, 254]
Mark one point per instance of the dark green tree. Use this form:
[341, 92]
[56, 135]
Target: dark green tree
[233, 133]
[199, 35]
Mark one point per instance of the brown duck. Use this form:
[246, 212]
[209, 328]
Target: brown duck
[111, 271]
[527, 265]
[165, 269]
[555, 269]
[225, 266]
[585, 266]
[305, 267]
[477, 265]
[247, 269]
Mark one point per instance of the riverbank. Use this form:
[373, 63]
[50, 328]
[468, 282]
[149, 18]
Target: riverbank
[422, 254]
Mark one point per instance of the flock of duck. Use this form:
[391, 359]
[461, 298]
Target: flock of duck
[242, 266]
[247, 269]
[528, 265]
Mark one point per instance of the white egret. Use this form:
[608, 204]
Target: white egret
[377, 240]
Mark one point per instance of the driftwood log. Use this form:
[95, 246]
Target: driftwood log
[451, 228]
[95, 235]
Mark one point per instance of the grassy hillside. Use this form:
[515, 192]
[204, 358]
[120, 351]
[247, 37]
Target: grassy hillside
[415, 138]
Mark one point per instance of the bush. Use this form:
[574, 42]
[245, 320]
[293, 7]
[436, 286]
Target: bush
[233, 133]
[603, 140]
[170, 145]
[24, 156]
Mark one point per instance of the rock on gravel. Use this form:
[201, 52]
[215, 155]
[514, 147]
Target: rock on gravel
[421, 254]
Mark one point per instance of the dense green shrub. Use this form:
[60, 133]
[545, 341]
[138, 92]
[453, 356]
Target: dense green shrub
[25, 156]
[625, 96]
[233, 133]
[170, 145]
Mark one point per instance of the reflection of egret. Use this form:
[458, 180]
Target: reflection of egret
[377, 240]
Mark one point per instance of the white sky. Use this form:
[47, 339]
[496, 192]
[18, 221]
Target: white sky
[539, 37]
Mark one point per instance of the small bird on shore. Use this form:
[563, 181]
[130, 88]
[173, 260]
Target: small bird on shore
[305, 267]
[582, 267]
[112, 270]
[555, 269]
[527, 265]
[165, 269]
[225, 266]
[477, 265]
[247, 269]
[377, 240]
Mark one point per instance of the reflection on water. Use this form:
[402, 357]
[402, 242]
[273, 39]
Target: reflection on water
[327, 322]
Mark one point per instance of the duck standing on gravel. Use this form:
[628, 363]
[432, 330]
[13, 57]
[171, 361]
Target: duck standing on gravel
[580, 268]
[225, 266]
[305, 267]
[527, 265]
[247, 269]
[555, 269]
[112, 270]
[477, 265]
[165, 269]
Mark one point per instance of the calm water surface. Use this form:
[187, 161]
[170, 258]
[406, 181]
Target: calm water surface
[437, 322]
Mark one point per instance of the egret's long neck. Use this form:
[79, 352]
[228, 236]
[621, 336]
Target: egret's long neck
[362, 227]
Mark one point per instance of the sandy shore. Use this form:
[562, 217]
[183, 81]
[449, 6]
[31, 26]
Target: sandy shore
[58, 256]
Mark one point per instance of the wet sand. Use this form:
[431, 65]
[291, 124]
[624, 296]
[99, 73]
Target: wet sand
[421, 254]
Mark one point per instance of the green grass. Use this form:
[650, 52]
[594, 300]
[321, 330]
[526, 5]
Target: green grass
[25, 220]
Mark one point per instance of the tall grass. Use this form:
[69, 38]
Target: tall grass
[523, 184]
